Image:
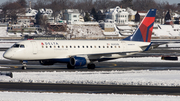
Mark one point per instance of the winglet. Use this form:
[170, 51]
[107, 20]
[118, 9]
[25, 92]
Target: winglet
[144, 31]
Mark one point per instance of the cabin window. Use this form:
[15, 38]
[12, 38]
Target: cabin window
[70, 46]
[86, 46]
[119, 46]
[50, 46]
[42, 46]
[107, 46]
[78, 46]
[103, 46]
[62, 46]
[94, 46]
[54, 46]
[66, 46]
[74, 46]
[114, 46]
[46, 46]
[83, 46]
[91, 46]
[58, 46]
[99, 46]
[111, 46]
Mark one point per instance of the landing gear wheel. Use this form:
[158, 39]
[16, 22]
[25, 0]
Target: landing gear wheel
[24, 67]
[70, 67]
[91, 66]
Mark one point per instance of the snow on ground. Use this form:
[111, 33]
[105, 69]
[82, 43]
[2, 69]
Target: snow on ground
[85, 31]
[3, 31]
[31, 96]
[133, 77]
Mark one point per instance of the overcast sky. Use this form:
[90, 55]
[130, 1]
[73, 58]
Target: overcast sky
[170, 1]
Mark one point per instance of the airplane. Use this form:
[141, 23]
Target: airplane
[83, 52]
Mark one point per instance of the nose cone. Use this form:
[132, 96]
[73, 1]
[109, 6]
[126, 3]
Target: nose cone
[7, 55]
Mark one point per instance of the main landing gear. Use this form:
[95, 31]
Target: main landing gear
[91, 66]
[24, 67]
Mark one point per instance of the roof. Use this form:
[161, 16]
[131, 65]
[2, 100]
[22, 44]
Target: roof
[72, 11]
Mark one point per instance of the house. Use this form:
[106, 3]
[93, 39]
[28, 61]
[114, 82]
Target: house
[27, 19]
[132, 14]
[71, 16]
[118, 15]
[46, 13]
[176, 17]
[107, 26]
[140, 15]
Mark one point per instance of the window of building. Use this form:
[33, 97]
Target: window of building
[74, 16]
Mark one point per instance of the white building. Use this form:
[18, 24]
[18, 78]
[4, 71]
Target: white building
[27, 19]
[71, 16]
[47, 13]
[132, 14]
[118, 15]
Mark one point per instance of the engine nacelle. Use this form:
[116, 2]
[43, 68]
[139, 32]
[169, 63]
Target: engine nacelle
[78, 61]
[46, 62]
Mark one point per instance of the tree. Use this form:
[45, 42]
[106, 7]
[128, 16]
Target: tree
[127, 3]
[11, 9]
[23, 3]
[87, 17]
[145, 5]
[94, 13]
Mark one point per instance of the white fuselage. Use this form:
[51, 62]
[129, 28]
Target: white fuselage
[60, 49]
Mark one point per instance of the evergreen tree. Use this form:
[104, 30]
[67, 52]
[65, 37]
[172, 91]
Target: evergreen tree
[94, 13]
[87, 17]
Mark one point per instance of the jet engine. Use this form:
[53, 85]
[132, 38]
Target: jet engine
[78, 61]
[46, 62]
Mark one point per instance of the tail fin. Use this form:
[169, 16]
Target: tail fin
[144, 31]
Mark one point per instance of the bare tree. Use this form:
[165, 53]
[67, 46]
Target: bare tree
[140, 5]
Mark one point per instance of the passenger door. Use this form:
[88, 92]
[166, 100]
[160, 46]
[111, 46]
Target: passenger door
[35, 48]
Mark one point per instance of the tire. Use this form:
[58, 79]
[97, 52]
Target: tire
[24, 67]
[91, 66]
[69, 66]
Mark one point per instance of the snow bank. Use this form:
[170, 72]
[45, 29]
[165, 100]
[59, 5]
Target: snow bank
[3, 31]
[22, 96]
[142, 77]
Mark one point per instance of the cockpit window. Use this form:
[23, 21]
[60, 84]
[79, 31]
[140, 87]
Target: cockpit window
[22, 46]
[18, 46]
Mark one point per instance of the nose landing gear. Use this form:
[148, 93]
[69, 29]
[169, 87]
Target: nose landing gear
[24, 67]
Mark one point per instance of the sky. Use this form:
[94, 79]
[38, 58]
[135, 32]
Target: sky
[170, 1]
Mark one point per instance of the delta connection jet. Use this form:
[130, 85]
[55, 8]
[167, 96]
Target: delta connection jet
[83, 52]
